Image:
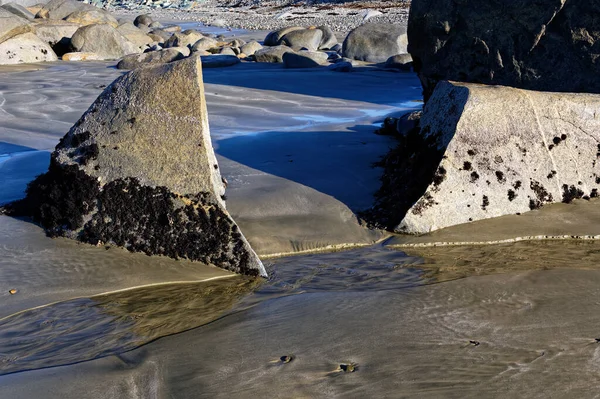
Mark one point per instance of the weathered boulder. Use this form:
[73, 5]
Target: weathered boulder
[56, 33]
[219, 60]
[12, 25]
[134, 34]
[138, 170]
[375, 42]
[251, 47]
[304, 59]
[274, 38]
[90, 17]
[19, 11]
[103, 40]
[272, 54]
[204, 44]
[164, 56]
[548, 45]
[25, 48]
[183, 39]
[486, 151]
[59, 9]
[309, 39]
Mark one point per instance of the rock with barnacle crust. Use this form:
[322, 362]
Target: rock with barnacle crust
[138, 170]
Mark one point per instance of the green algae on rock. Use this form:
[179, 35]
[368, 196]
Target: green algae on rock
[138, 170]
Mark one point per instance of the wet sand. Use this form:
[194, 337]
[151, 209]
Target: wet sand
[505, 320]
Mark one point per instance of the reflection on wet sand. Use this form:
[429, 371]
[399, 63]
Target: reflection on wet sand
[453, 262]
[89, 328]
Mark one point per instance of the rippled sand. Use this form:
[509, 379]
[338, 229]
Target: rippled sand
[523, 334]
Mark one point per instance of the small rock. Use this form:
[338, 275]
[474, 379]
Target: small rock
[402, 62]
[272, 54]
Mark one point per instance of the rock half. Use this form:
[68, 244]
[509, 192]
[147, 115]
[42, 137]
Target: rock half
[138, 170]
[491, 151]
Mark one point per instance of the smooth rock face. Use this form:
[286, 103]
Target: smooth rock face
[204, 44]
[164, 56]
[548, 45]
[89, 17]
[134, 34]
[25, 48]
[138, 170]
[251, 47]
[499, 150]
[12, 25]
[103, 40]
[374, 42]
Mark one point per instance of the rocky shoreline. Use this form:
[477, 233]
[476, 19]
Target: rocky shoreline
[340, 17]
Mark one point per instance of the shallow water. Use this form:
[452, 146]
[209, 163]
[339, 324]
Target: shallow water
[529, 333]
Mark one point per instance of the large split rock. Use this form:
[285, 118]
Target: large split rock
[138, 170]
[486, 151]
[375, 42]
[548, 45]
[103, 40]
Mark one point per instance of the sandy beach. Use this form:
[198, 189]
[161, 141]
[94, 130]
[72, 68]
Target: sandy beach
[497, 308]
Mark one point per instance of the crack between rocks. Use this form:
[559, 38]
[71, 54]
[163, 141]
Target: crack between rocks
[537, 119]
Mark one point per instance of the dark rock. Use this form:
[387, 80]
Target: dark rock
[547, 45]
